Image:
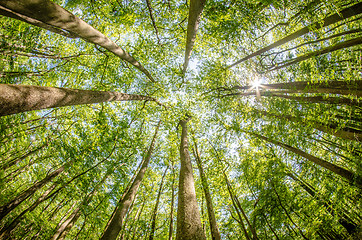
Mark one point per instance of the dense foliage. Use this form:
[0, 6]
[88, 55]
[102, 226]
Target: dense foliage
[254, 140]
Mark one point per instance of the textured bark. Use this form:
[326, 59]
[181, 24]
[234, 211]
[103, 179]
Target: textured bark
[188, 216]
[45, 13]
[154, 214]
[344, 220]
[344, 14]
[7, 208]
[215, 234]
[350, 176]
[22, 98]
[196, 8]
[115, 223]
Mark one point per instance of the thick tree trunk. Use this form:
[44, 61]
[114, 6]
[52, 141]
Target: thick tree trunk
[196, 8]
[22, 98]
[344, 14]
[215, 234]
[350, 176]
[188, 216]
[46, 14]
[344, 220]
[154, 214]
[115, 224]
[7, 208]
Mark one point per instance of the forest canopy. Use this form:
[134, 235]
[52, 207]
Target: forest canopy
[165, 119]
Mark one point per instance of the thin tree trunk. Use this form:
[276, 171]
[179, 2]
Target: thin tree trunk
[67, 225]
[188, 215]
[350, 176]
[341, 45]
[341, 15]
[196, 8]
[346, 133]
[137, 218]
[153, 20]
[115, 223]
[170, 231]
[7, 208]
[344, 220]
[6, 230]
[286, 212]
[22, 98]
[215, 234]
[154, 214]
[46, 14]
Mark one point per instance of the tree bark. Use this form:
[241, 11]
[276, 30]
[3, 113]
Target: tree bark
[115, 223]
[215, 234]
[22, 98]
[46, 14]
[196, 8]
[350, 176]
[344, 14]
[154, 214]
[188, 216]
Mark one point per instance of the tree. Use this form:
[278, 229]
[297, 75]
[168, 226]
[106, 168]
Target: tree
[276, 139]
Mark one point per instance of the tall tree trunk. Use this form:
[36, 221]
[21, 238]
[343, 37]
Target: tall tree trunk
[350, 176]
[344, 220]
[22, 98]
[341, 15]
[188, 216]
[196, 8]
[154, 214]
[46, 14]
[6, 230]
[7, 208]
[170, 230]
[215, 234]
[115, 223]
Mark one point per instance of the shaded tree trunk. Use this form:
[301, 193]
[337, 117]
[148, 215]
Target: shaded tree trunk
[196, 8]
[48, 15]
[22, 98]
[341, 15]
[154, 214]
[188, 216]
[215, 234]
[350, 176]
[115, 223]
